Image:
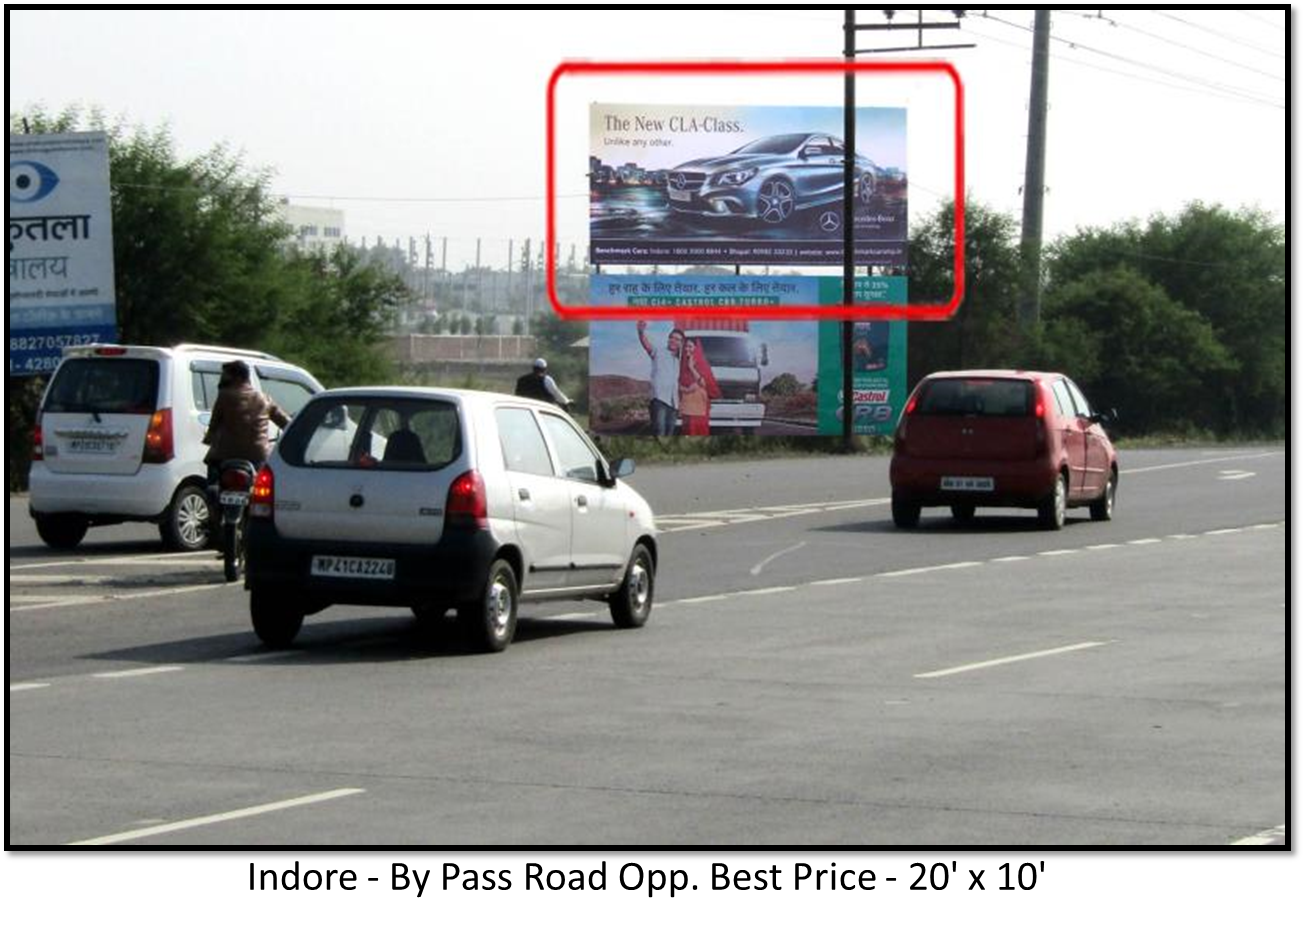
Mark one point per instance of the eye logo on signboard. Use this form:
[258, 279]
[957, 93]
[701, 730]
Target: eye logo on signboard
[30, 181]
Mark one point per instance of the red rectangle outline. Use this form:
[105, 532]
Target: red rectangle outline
[922, 312]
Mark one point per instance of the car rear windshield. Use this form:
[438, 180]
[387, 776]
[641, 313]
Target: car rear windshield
[374, 433]
[991, 398]
[103, 385]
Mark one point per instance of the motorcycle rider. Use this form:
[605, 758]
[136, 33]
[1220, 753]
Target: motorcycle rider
[537, 384]
[237, 427]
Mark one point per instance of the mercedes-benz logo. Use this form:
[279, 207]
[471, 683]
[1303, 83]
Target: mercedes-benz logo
[679, 181]
[830, 220]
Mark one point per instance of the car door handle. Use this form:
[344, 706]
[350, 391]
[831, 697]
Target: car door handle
[582, 501]
[523, 494]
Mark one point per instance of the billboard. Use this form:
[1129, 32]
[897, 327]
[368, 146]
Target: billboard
[61, 289]
[743, 185]
[701, 374]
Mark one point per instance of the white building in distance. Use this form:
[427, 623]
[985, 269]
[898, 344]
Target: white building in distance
[312, 228]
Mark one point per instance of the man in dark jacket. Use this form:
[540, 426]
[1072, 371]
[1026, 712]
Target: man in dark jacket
[537, 384]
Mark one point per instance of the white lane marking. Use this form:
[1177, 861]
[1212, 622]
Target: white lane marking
[218, 817]
[756, 570]
[1181, 536]
[1264, 527]
[133, 673]
[148, 559]
[1056, 552]
[1103, 546]
[1264, 838]
[922, 569]
[1144, 540]
[1234, 474]
[698, 520]
[54, 601]
[1005, 660]
[81, 599]
[843, 581]
[61, 579]
[568, 616]
[700, 599]
[1152, 469]
[1225, 530]
[772, 590]
[1010, 559]
[264, 656]
[27, 686]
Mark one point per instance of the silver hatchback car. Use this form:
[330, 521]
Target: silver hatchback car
[442, 498]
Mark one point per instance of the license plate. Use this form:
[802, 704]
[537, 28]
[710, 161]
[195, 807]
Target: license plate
[103, 445]
[680, 196]
[968, 484]
[233, 498]
[352, 567]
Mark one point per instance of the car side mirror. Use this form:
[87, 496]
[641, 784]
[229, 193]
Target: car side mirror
[622, 468]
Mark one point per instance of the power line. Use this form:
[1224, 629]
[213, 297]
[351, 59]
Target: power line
[1242, 92]
[1198, 51]
[1128, 74]
[1221, 35]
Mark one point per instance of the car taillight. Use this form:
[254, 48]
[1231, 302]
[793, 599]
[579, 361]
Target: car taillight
[110, 351]
[1039, 413]
[910, 406]
[38, 443]
[158, 439]
[262, 497]
[468, 505]
[234, 480]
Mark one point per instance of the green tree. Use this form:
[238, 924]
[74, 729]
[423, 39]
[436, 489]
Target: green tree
[783, 384]
[1133, 348]
[1227, 267]
[984, 331]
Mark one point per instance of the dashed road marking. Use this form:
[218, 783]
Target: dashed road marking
[1103, 546]
[210, 819]
[135, 673]
[1009, 559]
[701, 520]
[84, 599]
[700, 599]
[918, 570]
[1153, 469]
[1006, 660]
[773, 590]
[1224, 530]
[1145, 540]
[1275, 835]
[27, 686]
[1231, 475]
[150, 559]
[1057, 552]
[846, 580]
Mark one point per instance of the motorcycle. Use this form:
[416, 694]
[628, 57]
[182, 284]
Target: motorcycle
[234, 480]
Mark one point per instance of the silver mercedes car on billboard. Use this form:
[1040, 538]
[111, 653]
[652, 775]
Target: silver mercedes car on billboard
[771, 180]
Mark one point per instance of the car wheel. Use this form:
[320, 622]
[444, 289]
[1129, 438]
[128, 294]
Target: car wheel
[1050, 513]
[186, 523]
[61, 531]
[1103, 508]
[866, 191]
[905, 513]
[963, 513]
[775, 202]
[490, 622]
[276, 618]
[632, 602]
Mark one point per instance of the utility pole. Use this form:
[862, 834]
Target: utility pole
[848, 226]
[850, 30]
[1034, 182]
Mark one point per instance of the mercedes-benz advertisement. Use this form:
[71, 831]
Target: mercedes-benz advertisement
[721, 185]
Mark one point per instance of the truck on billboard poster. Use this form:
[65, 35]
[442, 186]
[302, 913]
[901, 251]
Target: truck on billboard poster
[61, 290]
[743, 185]
[699, 374]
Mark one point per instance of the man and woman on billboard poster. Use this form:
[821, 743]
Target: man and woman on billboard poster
[682, 384]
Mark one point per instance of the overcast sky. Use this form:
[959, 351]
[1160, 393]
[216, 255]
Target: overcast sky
[385, 114]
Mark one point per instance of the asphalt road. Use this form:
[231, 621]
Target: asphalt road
[810, 675]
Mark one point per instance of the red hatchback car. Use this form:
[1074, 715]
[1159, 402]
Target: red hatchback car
[1005, 438]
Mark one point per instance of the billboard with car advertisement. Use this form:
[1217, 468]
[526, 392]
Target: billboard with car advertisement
[743, 185]
[700, 374]
[61, 289]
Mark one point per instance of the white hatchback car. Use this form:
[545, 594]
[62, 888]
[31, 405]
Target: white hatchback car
[440, 498]
[120, 437]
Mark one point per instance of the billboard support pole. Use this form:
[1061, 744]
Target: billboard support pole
[848, 226]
